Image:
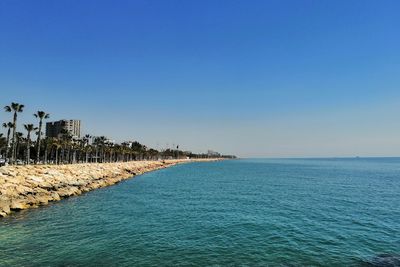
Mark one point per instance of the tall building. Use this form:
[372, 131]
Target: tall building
[53, 129]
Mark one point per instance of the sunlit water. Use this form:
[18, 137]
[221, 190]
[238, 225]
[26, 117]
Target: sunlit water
[330, 212]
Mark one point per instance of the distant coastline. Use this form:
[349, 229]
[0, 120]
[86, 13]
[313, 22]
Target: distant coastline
[63, 143]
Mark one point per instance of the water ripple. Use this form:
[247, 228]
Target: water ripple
[338, 212]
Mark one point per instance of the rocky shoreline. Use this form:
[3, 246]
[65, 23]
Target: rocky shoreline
[30, 186]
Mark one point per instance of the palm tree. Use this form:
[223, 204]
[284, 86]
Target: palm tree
[41, 115]
[19, 140]
[66, 141]
[3, 143]
[8, 126]
[87, 148]
[29, 128]
[100, 142]
[56, 144]
[48, 146]
[16, 108]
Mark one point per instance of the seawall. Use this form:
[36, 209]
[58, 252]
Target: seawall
[30, 186]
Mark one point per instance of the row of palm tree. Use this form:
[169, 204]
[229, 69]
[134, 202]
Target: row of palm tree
[12, 155]
[14, 108]
[66, 149]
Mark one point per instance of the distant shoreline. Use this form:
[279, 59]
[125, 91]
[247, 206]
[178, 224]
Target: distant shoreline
[31, 186]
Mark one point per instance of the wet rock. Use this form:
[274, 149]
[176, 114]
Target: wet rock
[31, 200]
[55, 196]
[69, 191]
[43, 198]
[4, 206]
[19, 204]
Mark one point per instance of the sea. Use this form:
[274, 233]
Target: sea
[244, 212]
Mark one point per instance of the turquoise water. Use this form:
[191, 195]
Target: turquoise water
[292, 212]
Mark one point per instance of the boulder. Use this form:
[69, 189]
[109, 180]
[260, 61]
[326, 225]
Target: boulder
[4, 206]
[9, 190]
[19, 204]
[43, 199]
[68, 191]
[54, 196]
[23, 190]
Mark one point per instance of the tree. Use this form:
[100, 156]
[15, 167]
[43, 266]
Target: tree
[65, 142]
[29, 128]
[100, 142]
[86, 146]
[41, 115]
[8, 126]
[56, 144]
[3, 143]
[15, 108]
[19, 140]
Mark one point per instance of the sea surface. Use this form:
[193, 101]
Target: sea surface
[250, 212]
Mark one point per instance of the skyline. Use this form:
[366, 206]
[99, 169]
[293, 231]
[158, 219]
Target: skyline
[270, 79]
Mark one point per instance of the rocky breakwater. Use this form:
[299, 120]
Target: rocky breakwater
[23, 187]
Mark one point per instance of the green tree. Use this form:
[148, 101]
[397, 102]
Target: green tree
[41, 115]
[14, 108]
[66, 142]
[99, 143]
[86, 147]
[19, 140]
[29, 128]
[3, 143]
[8, 126]
[56, 144]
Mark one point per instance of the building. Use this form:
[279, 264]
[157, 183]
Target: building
[73, 127]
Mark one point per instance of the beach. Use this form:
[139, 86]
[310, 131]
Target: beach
[31, 186]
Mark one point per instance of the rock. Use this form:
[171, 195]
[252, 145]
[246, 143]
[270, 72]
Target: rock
[130, 171]
[55, 196]
[4, 206]
[16, 180]
[52, 172]
[31, 200]
[18, 204]
[68, 191]
[42, 199]
[23, 190]
[5, 172]
[9, 190]
[34, 179]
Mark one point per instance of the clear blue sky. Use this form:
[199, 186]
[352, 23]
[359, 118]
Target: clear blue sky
[252, 78]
